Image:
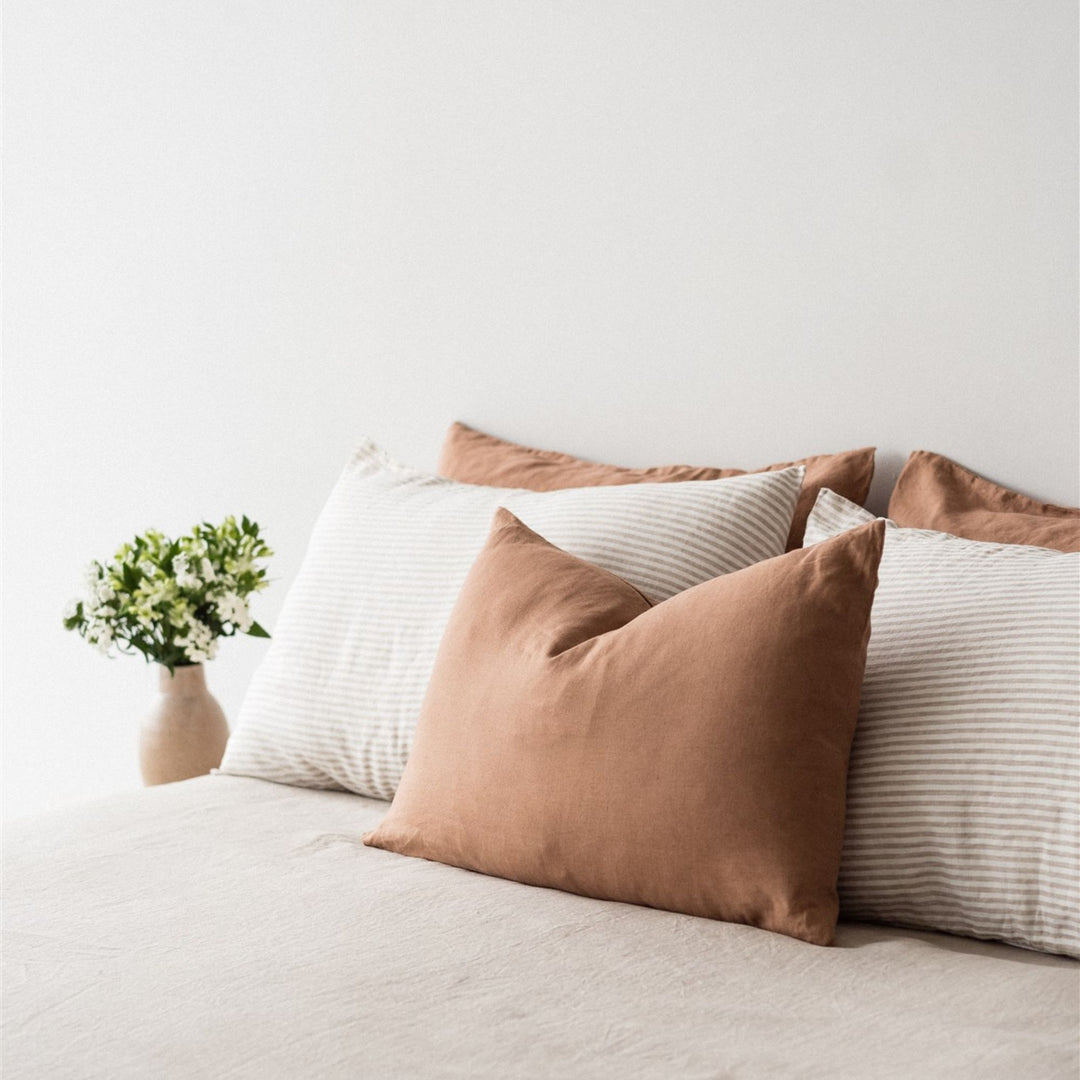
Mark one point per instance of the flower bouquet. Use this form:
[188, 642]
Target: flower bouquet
[172, 600]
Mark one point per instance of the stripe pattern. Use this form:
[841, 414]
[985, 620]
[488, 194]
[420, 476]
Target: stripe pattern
[334, 703]
[964, 786]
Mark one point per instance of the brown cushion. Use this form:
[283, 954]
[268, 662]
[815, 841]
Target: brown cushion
[689, 756]
[933, 492]
[473, 457]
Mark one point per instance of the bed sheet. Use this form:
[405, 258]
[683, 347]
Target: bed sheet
[230, 928]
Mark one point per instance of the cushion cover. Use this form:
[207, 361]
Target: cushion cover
[962, 797]
[335, 701]
[688, 756]
[933, 492]
[474, 457]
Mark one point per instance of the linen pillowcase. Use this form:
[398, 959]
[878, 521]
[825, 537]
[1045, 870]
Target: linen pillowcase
[474, 457]
[335, 701]
[689, 756]
[933, 492]
[962, 795]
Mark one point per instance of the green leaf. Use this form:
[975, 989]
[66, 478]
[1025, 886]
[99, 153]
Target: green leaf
[131, 577]
[257, 631]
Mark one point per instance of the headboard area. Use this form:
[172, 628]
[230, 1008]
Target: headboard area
[731, 233]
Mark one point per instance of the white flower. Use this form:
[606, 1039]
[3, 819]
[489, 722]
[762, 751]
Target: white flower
[233, 608]
[182, 572]
[198, 643]
[241, 564]
[156, 593]
[97, 586]
[179, 613]
[207, 570]
[148, 568]
[101, 635]
[71, 609]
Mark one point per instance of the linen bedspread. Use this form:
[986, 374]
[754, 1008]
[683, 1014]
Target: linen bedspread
[228, 928]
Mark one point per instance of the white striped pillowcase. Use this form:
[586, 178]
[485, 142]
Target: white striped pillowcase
[334, 704]
[965, 770]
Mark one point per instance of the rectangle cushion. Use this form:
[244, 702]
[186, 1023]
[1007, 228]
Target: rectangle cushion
[933, 492]
[474, 457]
[689, 756]
[335, 701]
[962, 797]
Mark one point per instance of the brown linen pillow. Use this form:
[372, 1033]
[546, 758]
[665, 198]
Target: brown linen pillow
[933, 492]
[473, 457]
[690, 756]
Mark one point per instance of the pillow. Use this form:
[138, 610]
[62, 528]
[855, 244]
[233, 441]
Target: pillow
[689, 756]
[933, 492]
[472, 457]
[335, 701]
[962, 797]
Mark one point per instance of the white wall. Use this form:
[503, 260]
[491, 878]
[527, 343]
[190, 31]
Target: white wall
[240, 234]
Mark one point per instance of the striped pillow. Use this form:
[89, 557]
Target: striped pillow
[335, 702]
[962, 792]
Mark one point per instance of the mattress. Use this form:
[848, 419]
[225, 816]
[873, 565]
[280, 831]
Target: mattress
[228, 928]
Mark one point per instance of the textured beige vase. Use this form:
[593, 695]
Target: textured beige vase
[185, 732]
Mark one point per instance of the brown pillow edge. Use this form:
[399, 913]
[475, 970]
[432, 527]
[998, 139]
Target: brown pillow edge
[935, 492]
[471, 456]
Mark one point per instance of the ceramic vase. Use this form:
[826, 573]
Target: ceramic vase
[185, 732]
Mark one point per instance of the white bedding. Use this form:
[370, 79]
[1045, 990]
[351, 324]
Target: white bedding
[228, 928]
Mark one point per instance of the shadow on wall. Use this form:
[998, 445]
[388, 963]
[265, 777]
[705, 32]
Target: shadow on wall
[887, 466]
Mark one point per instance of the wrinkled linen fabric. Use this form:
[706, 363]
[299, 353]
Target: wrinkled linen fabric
[233, 928]
[962, 813]
[334, 702]
[575, 736]
[474, 457]
[933, 492]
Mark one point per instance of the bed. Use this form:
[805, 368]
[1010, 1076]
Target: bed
[227, 927]
[661, 695]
